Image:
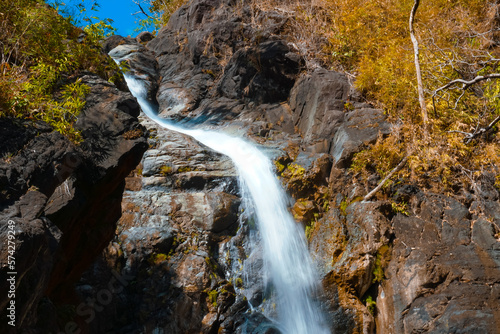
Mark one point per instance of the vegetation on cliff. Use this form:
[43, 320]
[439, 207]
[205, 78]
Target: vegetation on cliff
[370, 42]
[42, 55]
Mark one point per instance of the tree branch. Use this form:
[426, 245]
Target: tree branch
[142, 10]
[466, 84]
[478, 132]
[392, 172]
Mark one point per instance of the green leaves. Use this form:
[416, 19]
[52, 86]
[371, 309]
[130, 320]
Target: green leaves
[43, 55]
[99, 30]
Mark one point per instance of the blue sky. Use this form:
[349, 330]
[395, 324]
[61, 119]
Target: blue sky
[120, 11]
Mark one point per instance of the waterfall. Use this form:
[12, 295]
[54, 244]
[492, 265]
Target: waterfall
[284, 243]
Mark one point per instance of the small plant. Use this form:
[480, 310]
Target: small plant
[371, 305]
[381, 261]
[165, 170]
[348, 106]
[343, 206]
[400, 208]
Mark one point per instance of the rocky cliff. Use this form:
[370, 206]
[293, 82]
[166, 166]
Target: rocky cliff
[62, 201]
[183, 255]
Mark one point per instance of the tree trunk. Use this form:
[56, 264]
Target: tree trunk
[420, 85]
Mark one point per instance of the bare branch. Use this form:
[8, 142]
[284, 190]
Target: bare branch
[137, 2]
[478, 132]
[466, 84]
[392, 172]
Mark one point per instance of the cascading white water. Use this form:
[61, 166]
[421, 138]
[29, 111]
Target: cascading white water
[285, 247]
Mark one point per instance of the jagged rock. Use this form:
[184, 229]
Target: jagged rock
[326, 117]
[263, 74]
[360, 128]
[443, 275]
[36, 245]
[69, 212]
[345, 246]
[317, 102]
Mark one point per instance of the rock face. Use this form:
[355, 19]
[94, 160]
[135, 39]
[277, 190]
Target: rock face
[445, 268]
[179, 204]
[181, 236]
[63, 201]
[185, 256]
[191, 252]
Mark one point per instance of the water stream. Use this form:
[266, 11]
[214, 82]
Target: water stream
[284, 243]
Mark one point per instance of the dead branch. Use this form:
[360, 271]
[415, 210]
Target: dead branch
[141, 10]
[392, 172]
[466, 84]
[469, 136]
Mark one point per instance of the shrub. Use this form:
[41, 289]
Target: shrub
[42, 54]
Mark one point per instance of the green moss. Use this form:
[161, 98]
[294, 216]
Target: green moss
[343, 206]
[184, 169]
[296, 170]
[381, 261]
[157, 258]
[371, 305]
[279, 166]
[165, 170]
[400, 208]
[238, 282]
[309, 230]
[348, 106]
[212, 296]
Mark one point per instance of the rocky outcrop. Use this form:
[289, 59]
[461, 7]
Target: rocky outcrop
[445, 269]
[184, 255]
[63, 200]
[181, 236]
[179, 204]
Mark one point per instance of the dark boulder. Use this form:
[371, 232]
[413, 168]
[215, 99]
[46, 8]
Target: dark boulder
[113, 41]
[317, 102]
[360, 128]
[144, 37]
[264, 74]
[64, 199]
